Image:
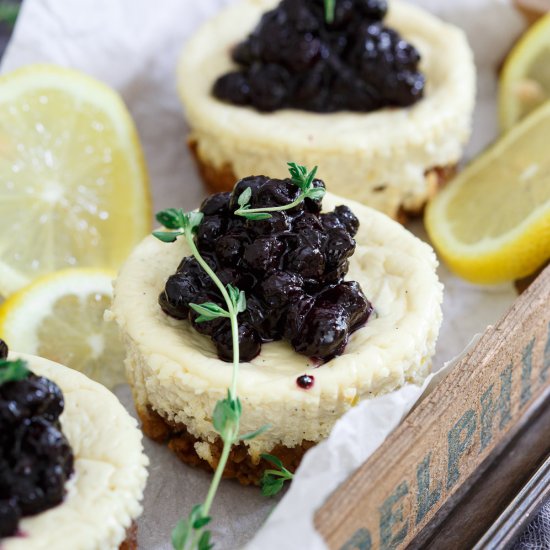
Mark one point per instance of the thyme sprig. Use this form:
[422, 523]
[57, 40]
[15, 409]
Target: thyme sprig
[300, 176]
[273, 480]
[9, 12]
[190, 532]
[330, 6]
[13, 371]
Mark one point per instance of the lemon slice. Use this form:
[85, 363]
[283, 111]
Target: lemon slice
[492, 222]
[60, 317]
[73, 184]
[525, 78]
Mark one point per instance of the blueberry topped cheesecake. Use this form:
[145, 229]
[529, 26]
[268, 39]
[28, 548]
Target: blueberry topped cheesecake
[379, 95]
[340, 304]
[72, 470]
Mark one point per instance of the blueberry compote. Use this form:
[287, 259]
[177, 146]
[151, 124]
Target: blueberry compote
[35, 457]
[290, 266]
[295, 59]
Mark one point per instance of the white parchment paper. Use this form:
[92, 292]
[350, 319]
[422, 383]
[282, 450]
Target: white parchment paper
[133, 46]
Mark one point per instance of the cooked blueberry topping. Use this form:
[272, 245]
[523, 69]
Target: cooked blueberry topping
[291, 267]
[35, 457]
[305, 381]
[3, 350]
[296, 59]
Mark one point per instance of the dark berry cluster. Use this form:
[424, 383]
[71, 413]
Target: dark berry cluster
[291, 267]
[35, 458]
[295, 59]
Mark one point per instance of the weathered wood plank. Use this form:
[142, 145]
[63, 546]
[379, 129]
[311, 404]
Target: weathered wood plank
[438, 448]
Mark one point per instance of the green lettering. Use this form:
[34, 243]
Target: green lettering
[424, 499]
[390, 517]
[526, 369]
[489, 408]
[459, 438]
[546, 359]
[361, 540]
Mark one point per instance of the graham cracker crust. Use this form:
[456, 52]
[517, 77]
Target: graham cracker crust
[130, 542]
[220, 179]
[240, 465]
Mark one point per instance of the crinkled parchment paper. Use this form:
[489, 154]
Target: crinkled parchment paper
[133, 45]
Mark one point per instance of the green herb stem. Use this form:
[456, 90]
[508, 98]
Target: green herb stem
[244, 212]
[230, 309]
[227, 444]
[330, 6]
[190, 533]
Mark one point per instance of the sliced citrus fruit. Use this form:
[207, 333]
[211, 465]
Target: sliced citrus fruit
[60, 317]
[492, 222]
[73, 184]
[525, 78]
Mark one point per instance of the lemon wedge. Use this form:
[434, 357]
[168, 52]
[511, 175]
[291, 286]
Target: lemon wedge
[525, 77]
[73, 184]
[492, 222]
[61, 317]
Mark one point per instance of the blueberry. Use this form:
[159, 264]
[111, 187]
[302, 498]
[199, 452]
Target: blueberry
[350, 296]
[324, 332]
[234, 87]
[229, 248]
[216, 204]
[246, 52]
[338, 247]
[265, 320]
[374, 9]
[29, 394]
[314, 205]
[210, 229]
[268, 86]
[9, 517]
[263, 254]
[275, 193]
[308, 231]
[251, 182]
[296, 315]
[207, 328]
[53, 404]
[280, 288]
[179, 291]
[280, 222]
[249, 343]
[307, 261]
[347, 218]
[3, 349]
[191, 268]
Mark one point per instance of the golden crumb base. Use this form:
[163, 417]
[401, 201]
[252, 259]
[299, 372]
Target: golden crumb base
[219, 179]
[130, 542]
[240, 465]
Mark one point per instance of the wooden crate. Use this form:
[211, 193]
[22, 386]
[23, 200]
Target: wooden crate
[449, 470]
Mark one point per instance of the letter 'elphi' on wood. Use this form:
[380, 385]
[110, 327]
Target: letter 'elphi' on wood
[442, 442]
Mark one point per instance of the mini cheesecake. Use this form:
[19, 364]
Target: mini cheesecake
[103, 494]
[392, 159]
[177, 377]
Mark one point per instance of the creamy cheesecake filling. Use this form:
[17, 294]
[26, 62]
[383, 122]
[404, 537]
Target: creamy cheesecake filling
[176, 371]
[378, 158]
[104, 493]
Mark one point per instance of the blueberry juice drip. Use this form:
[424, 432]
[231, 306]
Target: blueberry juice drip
[290, 266]
[305, 381]
[35, 457]
[295, 59]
